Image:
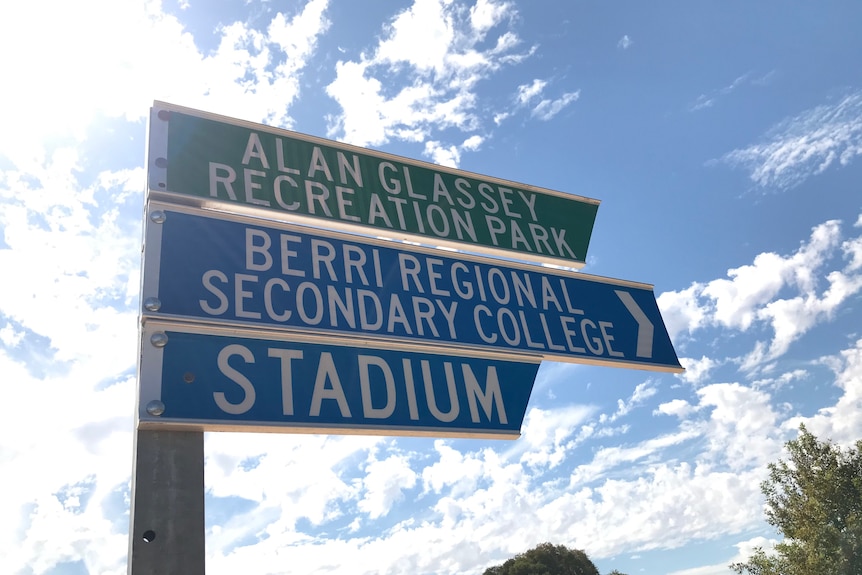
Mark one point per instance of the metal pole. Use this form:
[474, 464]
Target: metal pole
[166, 533]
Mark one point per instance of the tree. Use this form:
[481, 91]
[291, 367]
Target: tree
[546, 559]
[815, 502]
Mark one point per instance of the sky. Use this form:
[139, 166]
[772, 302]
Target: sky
[722, 138]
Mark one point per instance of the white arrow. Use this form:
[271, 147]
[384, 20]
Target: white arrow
[645, 326]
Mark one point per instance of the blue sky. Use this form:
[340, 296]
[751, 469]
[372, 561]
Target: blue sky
[723, 139]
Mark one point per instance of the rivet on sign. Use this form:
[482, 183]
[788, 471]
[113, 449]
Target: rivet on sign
[155, 407]
[152, 304]
[158, 216]
[188, 377]
[159, 339]
[164, 115]
[161, 163]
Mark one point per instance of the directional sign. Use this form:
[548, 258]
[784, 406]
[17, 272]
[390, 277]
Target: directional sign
[199, 380]
[229, 270]
[251, 167]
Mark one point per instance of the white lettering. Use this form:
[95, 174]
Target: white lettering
[368, 409]
[326, 372]
[236, 377]
[252, 248]
[286, 356]
[490, 398]
[226, 180]
[254, 149]
[207, 280]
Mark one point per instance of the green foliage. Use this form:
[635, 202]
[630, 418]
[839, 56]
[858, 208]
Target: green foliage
[615, 572]
[546, 559]
[815, 501]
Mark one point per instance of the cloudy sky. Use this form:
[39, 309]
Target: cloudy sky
[723, 140]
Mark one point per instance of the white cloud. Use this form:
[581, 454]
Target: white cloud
[10, 336]
[775, 291]
[150, 56]
[642, 392]
[744, 551]
[677, 407]
[625, 42]
[527, 92]
[609, 458]
[681, 310]
[451, 155]
[696, 370]
[443, 155]
[644, 485]
[840, 422]
[852, 249]
[782, 380]
[742, 426]
[421, 36]
[790, 318]
[59, 450]
[666, 506]
[546, 434]
[314, 491]
[457, 471]
[384, 483]
[76, 244]
[500, 117]
[704, 101]
[445, 52]
[805, 145]
[717, 569]
[486, 14]
[545, 108]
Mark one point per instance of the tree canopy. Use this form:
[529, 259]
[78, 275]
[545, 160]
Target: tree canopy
[546, 559]
[815, 501]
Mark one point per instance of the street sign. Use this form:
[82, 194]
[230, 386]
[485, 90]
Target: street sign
[222, 269]
[203, 380]
[253, 168]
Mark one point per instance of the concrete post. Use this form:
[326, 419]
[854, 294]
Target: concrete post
[166, 535]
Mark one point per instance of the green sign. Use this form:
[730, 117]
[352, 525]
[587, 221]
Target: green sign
[301, 177]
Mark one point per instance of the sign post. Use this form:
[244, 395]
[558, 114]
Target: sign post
[167, 511]
[274, 299]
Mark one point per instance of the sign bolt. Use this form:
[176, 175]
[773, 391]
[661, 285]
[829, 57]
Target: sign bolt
[152, 304]
[158, 216]
[164, 115]
[155, 407]
[188, 377]
[159, 339]
[161, 163]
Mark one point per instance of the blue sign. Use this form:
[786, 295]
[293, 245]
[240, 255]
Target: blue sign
[240, 271]
[215, 382]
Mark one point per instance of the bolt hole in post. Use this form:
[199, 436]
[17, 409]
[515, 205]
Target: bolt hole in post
[149, 536]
